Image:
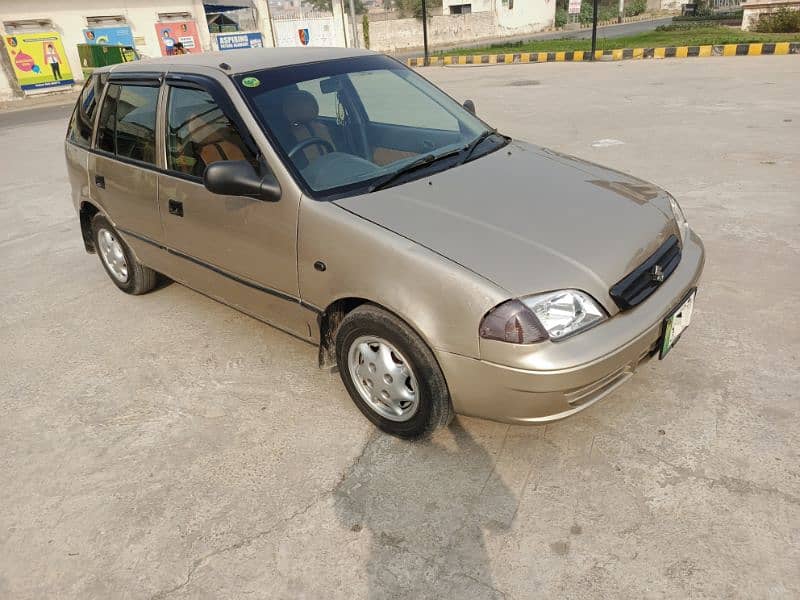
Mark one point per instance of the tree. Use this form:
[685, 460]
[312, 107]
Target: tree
[327, 6]
[413, 8]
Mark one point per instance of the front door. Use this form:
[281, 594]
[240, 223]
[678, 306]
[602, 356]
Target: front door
[240, 250]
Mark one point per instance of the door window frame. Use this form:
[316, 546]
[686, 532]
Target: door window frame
[144, 79]
[220, 96]
[163, 80]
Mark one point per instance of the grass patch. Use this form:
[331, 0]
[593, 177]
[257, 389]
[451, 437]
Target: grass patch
[684, 36]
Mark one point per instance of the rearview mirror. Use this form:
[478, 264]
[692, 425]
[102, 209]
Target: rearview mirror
[239, 178]
[330, 85]
[470, 106]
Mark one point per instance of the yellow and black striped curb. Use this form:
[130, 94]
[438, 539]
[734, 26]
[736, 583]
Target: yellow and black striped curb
[617, 54]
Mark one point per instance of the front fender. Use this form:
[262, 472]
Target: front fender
[443, 301]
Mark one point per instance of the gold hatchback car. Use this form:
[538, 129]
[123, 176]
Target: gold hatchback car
[336, 194]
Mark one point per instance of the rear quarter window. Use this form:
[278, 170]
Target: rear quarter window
[82, 122]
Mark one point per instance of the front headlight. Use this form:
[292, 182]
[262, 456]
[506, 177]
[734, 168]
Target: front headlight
[680, 218]
[554, 315]
[565, 312]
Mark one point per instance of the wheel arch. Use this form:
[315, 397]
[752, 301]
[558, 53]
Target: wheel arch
[86, 213]
[333, 315]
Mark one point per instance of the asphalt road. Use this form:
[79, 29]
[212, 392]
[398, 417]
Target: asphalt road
[166, 446]
[609, 31]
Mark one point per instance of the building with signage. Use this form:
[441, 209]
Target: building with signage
[39, 40]
[510, 14]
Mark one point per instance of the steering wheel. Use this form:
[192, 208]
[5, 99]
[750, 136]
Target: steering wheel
[312, 141]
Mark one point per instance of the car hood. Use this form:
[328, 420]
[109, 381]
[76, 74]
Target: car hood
[529, 219]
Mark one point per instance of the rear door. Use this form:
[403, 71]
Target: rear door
[123, 178]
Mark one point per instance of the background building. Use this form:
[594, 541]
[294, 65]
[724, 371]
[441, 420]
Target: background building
[40, 39]
[27, 29]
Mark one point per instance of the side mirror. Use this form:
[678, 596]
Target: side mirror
[470, 106]
[239, 178]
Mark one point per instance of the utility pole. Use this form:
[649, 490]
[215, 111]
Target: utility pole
[425, 31]
[621, 11]
[264, 19]
[594, 28]
[353, 24]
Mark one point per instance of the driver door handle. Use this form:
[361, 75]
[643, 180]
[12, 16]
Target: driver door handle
[175, 208]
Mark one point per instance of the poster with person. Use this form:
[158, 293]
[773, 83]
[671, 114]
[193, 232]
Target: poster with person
[109, 36]
[178, 37]
[38, 60]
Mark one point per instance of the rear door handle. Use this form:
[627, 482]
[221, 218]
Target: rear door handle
[176, 208]
[100, 181]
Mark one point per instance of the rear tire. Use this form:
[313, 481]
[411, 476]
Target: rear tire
[391, 374]
[127, 273]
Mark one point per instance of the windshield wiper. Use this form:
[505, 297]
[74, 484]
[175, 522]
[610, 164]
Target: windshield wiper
[473, 145]
[422, 161]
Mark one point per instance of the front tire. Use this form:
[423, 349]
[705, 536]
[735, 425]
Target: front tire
[127, 273]
[391, 374]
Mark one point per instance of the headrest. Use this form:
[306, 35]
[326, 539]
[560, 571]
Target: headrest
[205, 127]
[300, 107]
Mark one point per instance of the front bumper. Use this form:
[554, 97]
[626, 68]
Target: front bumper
[549, 381]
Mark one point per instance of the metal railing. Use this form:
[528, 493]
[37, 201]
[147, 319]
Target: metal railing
[722, 5]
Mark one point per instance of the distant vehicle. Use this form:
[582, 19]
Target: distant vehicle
[336, 194]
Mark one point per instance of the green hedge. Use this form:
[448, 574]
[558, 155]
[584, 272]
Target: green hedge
[635, 7]
[722, 16]
[781, 21]
[607, 11]
[562, 16]
[604, 13]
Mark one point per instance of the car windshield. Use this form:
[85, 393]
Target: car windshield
[357, 124]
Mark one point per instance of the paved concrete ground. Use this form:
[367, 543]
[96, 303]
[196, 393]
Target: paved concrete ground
[166, 446]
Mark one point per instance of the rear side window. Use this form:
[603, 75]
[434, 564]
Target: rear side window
[199, 133]
[127, 125]
[80, 127]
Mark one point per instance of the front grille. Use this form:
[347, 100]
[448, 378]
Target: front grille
[645, 279]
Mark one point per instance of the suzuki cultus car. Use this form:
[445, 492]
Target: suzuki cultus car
[441, 266]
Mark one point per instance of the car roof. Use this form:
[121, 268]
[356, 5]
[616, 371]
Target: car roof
[238, 61]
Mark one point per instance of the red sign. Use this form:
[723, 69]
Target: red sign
[178, 37]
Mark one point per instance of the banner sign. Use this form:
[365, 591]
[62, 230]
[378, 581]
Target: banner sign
[171, 33]
[574, 7]
[109, 36]
[315, 31]
[234, 41]
[39, 60]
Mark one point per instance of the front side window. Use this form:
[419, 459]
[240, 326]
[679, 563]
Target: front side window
[344, 126]
[127, 124]
[199, 133]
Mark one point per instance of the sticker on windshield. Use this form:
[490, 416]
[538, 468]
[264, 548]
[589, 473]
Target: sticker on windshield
[251, 82]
